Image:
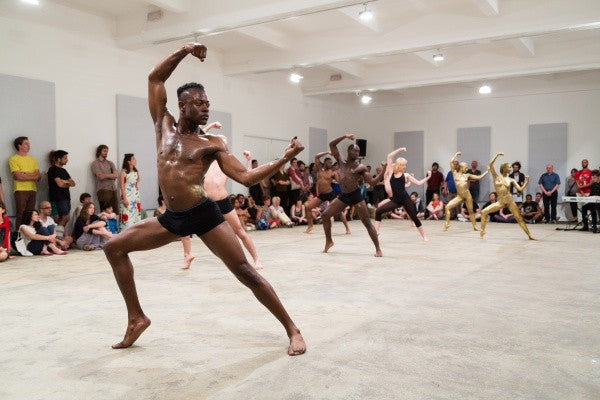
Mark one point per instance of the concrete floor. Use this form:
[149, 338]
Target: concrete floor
[455, 318]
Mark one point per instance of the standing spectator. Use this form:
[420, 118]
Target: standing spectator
[296, 186]
[105, 174]
[449, 188]
[434, 183]
[89, 232]
[281, 185]
[549, 183]
[474, 185]
[130, 195]
[25, 173]
[592, 207]
[519, 177]
[571, 191]
[256, 190]
[307, 182]
[584, 182]
[59, 182]
[539, 201]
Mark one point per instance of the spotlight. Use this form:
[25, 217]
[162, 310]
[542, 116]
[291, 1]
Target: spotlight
[366, 99]
[485, 89]
[438, 57]
[34, 2]
[296, 78]
[366, 14]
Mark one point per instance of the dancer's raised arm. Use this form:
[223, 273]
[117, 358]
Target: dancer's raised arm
[411, 178]
[516, 184]
[157, 95]
[333, 146]
[491, 164]
[318, 156]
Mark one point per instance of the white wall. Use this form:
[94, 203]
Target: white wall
[89, 71]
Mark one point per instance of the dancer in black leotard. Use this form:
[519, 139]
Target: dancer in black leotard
[395, 183]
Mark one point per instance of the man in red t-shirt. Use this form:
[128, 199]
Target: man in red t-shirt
[584, 182]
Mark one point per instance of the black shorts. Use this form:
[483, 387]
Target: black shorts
[224, 205]
[327, 196]
[199, 219]
[352, 198]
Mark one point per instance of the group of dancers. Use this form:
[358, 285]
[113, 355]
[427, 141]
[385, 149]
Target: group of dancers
[193, 167]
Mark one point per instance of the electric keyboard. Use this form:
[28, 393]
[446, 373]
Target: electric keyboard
[574, 199]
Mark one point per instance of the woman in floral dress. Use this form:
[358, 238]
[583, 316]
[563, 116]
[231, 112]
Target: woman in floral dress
[130, 206]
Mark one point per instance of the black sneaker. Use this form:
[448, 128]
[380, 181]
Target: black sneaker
[546, 221]
[553, 221]
[585, 228]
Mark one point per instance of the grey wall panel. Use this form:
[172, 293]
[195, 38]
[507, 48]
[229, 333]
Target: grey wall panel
[413, 141]
[547, 145]
[135, 134]
[475, 145]
[317, 143]
[27, 108]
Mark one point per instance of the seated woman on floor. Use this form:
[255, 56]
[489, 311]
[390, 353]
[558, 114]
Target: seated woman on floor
[299, 213]
[38, 239]
[89, 232]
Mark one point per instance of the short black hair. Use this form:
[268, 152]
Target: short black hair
[528, 195]
[188, 86]
[435, 164]
[595, 172]
[518, 164]
[83, 196]
[19, 141]
[254, 161]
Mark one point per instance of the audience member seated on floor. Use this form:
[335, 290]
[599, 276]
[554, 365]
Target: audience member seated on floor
[593, 208]
[162, 207]
[83, 198]
[90, 231]
[253, 210]
[463, 216]
[539, 199]
[62, 240]
[243, 201]
[242, 215]
[278, 213]
[493, 196]
[107, 215]
[4, 228]
[38, 239]
[435, 207]
[530, 211]
[419, 205]
[264, 219]
[504, 215]
[3, 254]
[299, 213]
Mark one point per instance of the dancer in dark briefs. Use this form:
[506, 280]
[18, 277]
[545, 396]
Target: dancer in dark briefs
[350, 172]
[185, 153]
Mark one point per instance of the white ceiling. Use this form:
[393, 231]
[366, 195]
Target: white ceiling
[482, 40]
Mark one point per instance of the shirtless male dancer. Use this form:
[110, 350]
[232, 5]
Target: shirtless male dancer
[184, 156]
[325, 175]
[214, 185]
[351, 171]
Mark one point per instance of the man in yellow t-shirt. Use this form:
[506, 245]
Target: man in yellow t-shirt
[25, 174]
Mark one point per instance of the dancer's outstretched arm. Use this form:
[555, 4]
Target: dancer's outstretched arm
[333, 146]
[412, 179]
[491, 164]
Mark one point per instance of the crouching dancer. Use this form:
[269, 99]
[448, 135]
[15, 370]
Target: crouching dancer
[184, 154]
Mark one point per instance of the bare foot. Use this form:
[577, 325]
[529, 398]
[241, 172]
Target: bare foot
[531, 237]
[475, 229]
[308, 230]
[297, 345]
[378, 253]
[134, 330]
[187, 261]
[446, 226]
[426, 239]
[481, 233]
[257, 265]
[328, 245]
[46, 253]
[348, 232]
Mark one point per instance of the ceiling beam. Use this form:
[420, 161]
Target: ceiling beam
[524, 46]
[427, 56]
[489, 8]
[268, 36]
[176, 6]
[348, 67]
[352, 13]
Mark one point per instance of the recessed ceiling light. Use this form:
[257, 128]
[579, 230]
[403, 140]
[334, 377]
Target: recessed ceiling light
[438, 57]
[34, 2]
[366, 99]
[366, 14]
[485, 89]
[296, 78]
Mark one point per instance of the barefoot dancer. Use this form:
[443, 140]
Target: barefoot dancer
[184, 156]
[395, 185]
[503, 183]
[350, 172]
[214, 185]
[325, 175]
[461, 180]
